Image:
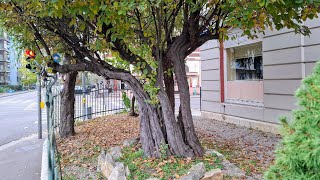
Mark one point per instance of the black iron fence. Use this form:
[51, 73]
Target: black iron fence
[89, 104]
[94, 102]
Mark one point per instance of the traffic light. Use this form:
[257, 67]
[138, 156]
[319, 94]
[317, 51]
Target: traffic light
[31, 55]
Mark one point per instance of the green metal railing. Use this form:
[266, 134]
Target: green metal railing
[54, 169]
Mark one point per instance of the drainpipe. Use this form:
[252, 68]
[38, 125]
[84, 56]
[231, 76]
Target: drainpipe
[221, 71]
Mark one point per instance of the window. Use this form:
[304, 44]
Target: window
[245, 63]
[245, 74]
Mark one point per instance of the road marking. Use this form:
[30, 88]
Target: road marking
[31, 107]
[12, 143]
[27, 101]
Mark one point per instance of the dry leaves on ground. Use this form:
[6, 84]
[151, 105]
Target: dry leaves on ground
[251, 150]
[93, 136]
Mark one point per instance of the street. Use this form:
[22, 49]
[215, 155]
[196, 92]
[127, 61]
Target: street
[20, 148]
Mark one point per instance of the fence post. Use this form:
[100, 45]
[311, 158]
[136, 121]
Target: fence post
[39, 108]
[84, 113]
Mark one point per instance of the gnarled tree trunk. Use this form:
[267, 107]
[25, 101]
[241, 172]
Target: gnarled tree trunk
[67, 106]
[177, 56]
[169, 81]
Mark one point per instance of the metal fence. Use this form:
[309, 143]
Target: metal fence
[89, 104]
[94, 102]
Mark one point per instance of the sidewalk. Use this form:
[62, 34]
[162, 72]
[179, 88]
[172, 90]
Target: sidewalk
[21, 159]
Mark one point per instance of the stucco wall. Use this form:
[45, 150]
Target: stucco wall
[287, 59]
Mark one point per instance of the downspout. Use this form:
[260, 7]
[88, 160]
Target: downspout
[221, 72]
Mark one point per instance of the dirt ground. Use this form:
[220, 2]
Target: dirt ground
[249, 149]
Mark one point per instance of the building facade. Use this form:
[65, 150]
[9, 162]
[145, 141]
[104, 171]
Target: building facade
[9, 61]
[14, 64]
[4, 59]
[252, 82]
[193, 72]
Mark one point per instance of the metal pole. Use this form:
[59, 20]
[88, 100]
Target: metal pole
[84, 96]
[39, 108]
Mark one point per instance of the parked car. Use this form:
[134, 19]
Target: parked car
[78, 90]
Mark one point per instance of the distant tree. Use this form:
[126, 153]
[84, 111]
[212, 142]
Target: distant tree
[298, 156]
[27, 77]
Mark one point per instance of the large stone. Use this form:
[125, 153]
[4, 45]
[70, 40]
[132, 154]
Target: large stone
[115, 152]
[232, 170]
[211, 151]
[129, 142]
[105, 164]
[195, 172]
[215, 174]
[118, 173]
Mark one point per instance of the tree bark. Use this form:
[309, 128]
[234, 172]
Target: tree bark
[67, 106]
[177, 56]
[169, 82]
[132, 111]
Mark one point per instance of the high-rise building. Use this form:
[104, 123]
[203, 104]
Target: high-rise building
[9, 61]
[4, 59]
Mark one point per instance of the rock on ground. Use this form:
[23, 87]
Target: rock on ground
[215, 174]
[105, 164]
[115, 152]
[118, 173]
[129, 142]
[195, 172]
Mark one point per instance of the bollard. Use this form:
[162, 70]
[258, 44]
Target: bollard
[89, 113]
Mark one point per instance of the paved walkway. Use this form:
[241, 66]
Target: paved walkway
[21, 159]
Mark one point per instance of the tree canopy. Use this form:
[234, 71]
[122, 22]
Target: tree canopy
[149, 40]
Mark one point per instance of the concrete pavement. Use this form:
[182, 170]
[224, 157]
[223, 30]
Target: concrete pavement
[21, 160]
[20, 148]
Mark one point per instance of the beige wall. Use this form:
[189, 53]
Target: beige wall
[287, 59]
[245, 90]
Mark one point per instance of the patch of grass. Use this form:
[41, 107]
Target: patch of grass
[69, 177]
[165, 167]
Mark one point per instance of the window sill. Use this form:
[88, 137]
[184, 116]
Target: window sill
[244, 102]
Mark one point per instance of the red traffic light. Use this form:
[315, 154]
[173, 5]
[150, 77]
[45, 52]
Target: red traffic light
[30, 54]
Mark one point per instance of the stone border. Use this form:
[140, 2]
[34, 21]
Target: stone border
[44, 164]
[263, 126]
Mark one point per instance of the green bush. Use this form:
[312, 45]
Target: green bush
[126, 101]
[298, 156]
[3, 89]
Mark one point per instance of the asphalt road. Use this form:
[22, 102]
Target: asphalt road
[20, 148]
[18, 116]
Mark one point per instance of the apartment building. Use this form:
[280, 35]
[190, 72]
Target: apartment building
[9, 61]
[4, 59]
[252, 82]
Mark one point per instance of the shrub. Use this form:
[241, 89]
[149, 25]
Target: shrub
[298, 156]
[126, 101]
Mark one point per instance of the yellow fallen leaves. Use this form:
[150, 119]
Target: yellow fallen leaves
[94, 135]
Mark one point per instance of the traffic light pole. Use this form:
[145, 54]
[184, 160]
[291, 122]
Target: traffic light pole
[39, 108]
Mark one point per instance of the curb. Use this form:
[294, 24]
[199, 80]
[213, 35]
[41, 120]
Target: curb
[44, 164]
[16, 93]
